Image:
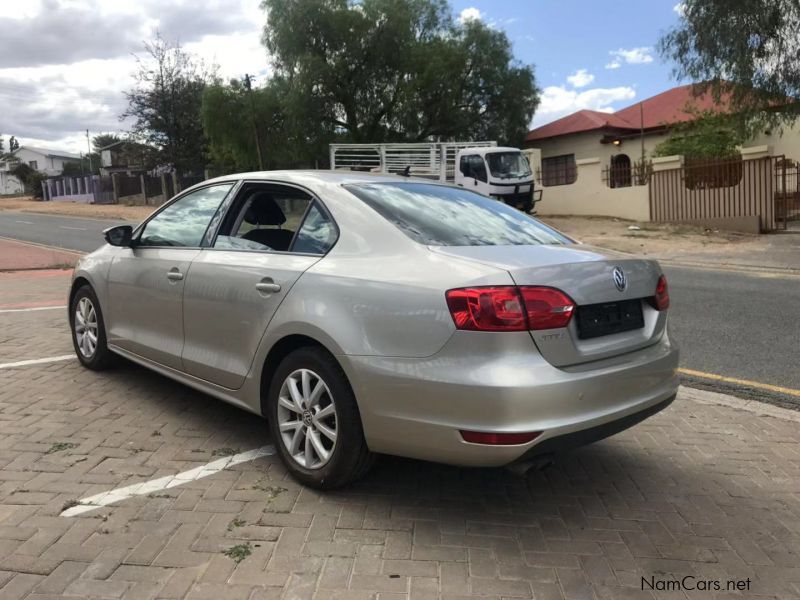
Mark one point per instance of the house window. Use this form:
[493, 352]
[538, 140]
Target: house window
[559, 170]
[620, 175]
[34, 165]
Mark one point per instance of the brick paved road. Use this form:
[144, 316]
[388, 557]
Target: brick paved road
[708, 488]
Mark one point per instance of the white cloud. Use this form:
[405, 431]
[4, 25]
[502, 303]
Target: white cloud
[634, 56]
[580, 78]
[469, 14]
[51, 91]
[680, 9]
[557, 101]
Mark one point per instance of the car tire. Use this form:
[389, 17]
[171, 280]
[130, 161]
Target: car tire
[86, 321]
[304, 421]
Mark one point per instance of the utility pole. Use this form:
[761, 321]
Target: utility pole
[249, 90]
[89, 153]
[641, 131]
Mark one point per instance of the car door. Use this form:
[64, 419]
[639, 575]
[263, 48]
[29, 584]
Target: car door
[235, 286]
[146, 281]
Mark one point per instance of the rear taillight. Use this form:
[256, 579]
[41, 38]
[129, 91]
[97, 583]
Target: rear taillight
[487, 308]
[661, 299]
[547, 308]
[509, 308]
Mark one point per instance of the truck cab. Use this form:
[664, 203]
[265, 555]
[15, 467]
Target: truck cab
[499, 172]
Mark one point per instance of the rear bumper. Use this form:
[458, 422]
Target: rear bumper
[490, 383]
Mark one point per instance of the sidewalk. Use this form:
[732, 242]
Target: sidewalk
[685, 244]
[19, 256]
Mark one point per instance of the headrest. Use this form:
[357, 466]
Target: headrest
[263, 210]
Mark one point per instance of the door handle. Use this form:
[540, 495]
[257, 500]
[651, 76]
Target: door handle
[174, 275]
[268, 287]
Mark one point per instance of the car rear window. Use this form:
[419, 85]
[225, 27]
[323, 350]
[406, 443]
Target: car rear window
[439, 215]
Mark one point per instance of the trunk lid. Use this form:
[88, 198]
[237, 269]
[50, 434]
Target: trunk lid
[585, 274]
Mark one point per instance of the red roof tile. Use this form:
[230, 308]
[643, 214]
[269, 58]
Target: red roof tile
[662, 109]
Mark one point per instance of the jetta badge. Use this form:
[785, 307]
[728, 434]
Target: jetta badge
[620, 281]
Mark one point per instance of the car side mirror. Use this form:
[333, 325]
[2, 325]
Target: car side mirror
[119, 236]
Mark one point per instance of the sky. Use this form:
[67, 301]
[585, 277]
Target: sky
[64, 64]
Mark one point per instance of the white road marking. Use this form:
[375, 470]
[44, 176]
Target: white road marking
[77, 228]
[164, 483]
[10, 310]
[26, 222]
[36, 361]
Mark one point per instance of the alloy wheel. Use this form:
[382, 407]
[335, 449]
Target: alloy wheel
[86, 327]
[307, 419]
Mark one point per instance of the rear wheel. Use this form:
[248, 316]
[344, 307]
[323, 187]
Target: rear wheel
[88, 330]
[315, 421]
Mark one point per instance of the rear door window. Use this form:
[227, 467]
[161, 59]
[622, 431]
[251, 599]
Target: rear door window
[440, 215]
[316, 235]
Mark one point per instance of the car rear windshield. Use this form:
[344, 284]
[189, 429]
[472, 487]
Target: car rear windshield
[439, 215]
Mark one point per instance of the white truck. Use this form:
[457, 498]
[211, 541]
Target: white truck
[495, 171]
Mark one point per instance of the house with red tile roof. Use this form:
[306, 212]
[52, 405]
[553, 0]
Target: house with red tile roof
[620, 139]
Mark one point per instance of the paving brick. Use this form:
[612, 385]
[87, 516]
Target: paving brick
[702, 488]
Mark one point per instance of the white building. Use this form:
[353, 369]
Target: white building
[47, 162]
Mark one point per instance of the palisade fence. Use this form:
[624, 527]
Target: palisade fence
[723, 189]
[121, 188]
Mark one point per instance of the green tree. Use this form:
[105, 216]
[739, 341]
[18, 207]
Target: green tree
[165, 104]
[746, 51]
[30, 178]
[394, 70]
[13, 144]
[233, 116]
[101, 140]
[710, 135]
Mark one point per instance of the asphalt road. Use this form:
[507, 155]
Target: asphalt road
[738, 325]
[727, 323]
[72, 233]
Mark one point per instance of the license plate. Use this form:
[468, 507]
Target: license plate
[606, 318]
[524, 188]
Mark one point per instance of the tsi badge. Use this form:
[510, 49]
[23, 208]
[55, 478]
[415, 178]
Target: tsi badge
[620, 281]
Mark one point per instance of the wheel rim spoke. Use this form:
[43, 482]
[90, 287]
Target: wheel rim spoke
[297, 437]
[326, 431]
[316, 443]
[297, 396]
[324, 413]
[316, 393]
[308, 454]
[288, 404]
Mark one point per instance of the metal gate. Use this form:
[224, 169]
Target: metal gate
[718, 189]
[787, 192]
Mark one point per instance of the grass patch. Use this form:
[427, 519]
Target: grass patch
[236, 523]
[69, 504]
[59, 446]
[239, 552]
[271, 491]
[224, 452]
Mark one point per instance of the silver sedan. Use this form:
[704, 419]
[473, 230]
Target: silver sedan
[366, 314]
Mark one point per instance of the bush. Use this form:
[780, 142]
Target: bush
[31, 179]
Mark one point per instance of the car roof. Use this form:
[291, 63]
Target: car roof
[321, 176]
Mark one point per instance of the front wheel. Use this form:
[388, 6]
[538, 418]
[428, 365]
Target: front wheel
[88, 330]
[315, 421]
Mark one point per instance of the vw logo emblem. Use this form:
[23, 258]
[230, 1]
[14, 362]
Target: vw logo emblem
[620, 281]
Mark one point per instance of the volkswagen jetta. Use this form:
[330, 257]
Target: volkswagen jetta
[366, 314]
